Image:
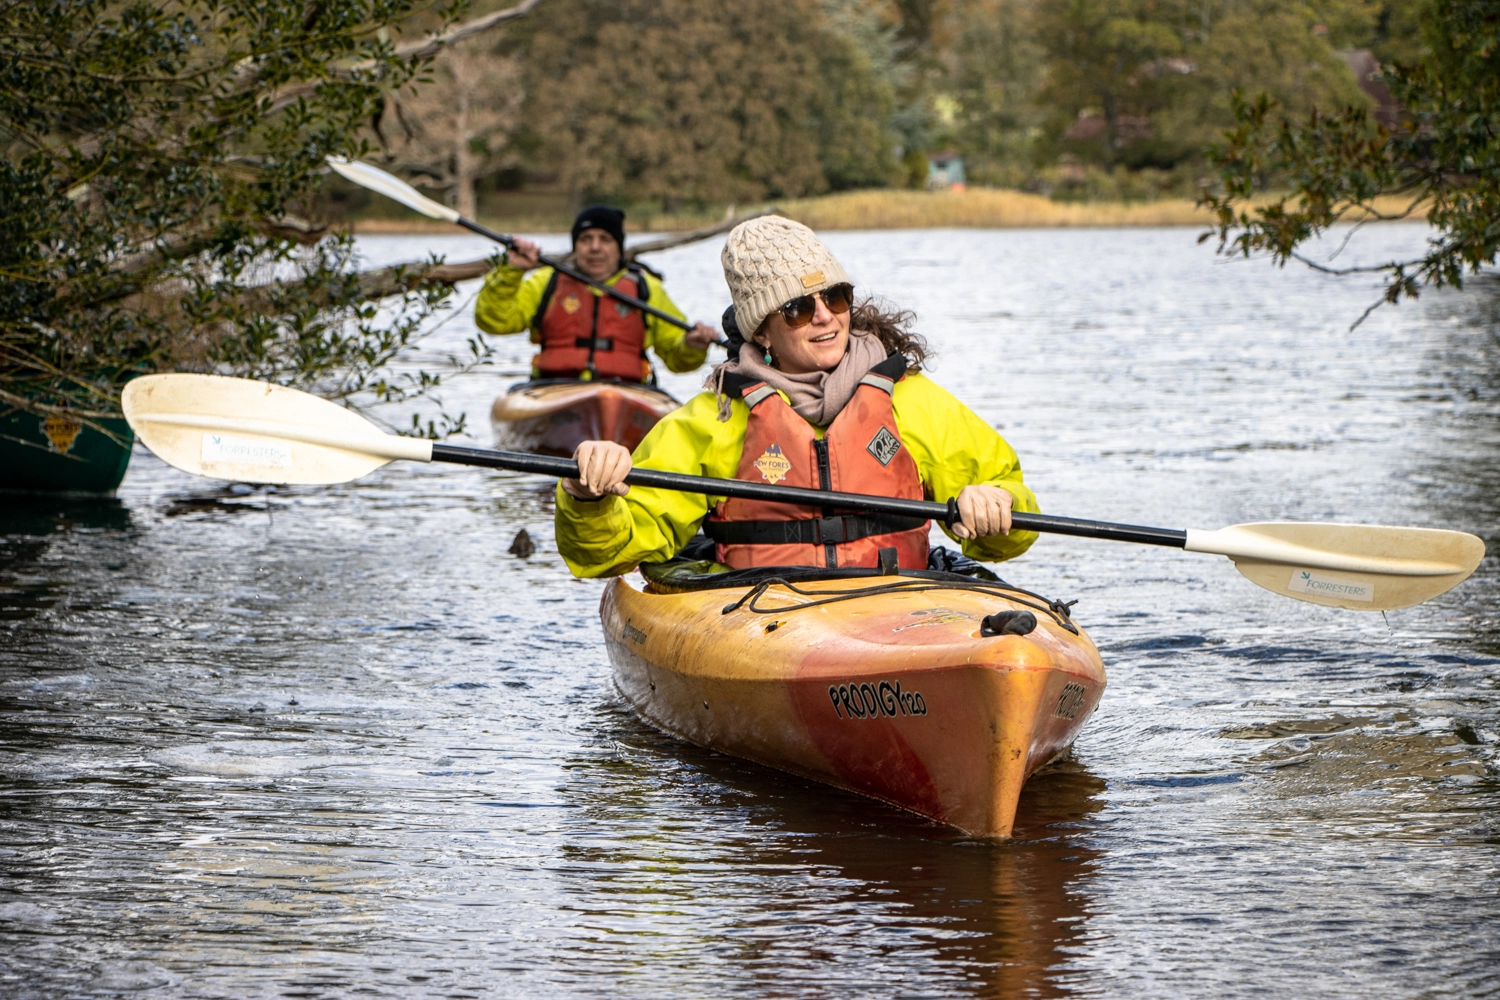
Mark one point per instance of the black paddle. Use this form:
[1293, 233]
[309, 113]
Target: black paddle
[566, 468]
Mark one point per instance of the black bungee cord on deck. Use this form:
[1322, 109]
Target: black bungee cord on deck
[1056, 610]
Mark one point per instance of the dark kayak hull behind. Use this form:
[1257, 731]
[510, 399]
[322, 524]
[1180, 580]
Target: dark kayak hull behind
[555, 417]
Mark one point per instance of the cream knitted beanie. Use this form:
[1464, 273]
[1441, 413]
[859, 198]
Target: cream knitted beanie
[770, 261]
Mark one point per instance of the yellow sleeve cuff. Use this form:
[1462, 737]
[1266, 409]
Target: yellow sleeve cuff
[591, 533]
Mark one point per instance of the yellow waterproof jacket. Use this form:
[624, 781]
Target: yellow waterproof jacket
[509, 299]
[952, 446]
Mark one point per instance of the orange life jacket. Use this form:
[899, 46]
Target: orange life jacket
[860, 453]
[582, 332]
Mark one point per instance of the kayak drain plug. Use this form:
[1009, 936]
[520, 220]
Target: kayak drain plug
[1008, 623]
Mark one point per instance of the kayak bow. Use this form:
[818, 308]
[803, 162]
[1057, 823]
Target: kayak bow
[885, 686]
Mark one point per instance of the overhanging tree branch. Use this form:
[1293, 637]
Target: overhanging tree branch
[133, 241]
[1441, 157]
[414, 51]
[680, 239]
[459, 32]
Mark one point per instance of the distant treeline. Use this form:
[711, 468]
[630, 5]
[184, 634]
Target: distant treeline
[692, 103]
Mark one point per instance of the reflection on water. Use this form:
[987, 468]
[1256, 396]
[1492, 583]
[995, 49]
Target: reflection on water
[337, 742]
[856, 899]
[34, 515]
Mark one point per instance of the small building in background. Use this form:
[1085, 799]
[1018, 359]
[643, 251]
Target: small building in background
[945, 171]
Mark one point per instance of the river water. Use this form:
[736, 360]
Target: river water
[337, 742]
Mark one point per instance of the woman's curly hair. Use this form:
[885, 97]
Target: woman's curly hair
[893, 327]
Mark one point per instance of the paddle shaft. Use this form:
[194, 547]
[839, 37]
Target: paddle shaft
[510, 241]
[566, 468]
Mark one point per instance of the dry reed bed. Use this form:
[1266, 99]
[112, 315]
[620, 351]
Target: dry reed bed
[976, 208]
[981, 208]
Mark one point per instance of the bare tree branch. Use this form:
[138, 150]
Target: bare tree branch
[678, 239]
[1366, 314]
[419, 49]
[387, 281]
[399, 279]
[294, 226]
[179, 246]
[457, 33]
[26, 403]
[1371, 269]
[174, 246]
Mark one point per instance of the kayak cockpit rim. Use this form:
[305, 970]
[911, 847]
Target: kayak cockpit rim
[682, 577]
[546, 383]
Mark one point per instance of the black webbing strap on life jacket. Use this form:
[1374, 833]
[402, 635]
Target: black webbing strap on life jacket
[809, 531]
[547, 293]
[735, 384]
[893, 367]
[642, 292]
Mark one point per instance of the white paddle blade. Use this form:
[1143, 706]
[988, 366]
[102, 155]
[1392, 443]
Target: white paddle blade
[1363, 567]
[254, 432]
[394, 188]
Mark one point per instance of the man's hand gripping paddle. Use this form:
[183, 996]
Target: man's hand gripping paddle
[254, 432]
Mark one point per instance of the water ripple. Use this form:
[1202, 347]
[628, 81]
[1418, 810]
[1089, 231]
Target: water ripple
[338, 742]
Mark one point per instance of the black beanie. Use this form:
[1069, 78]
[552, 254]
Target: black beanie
[611, 220]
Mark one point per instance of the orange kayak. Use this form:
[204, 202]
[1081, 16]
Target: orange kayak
[886, 686]
[555, 416]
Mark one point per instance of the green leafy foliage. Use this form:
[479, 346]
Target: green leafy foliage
[1147, 82]
[160, 164]
[1444, 156]
[994, 72]
[681, 101]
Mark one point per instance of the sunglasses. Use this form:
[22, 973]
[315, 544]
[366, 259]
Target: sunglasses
[799, 311]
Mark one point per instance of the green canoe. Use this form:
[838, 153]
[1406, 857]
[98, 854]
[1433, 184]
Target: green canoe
[59, 455]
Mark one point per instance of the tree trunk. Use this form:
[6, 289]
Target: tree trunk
[463, 157]
[1111, 127]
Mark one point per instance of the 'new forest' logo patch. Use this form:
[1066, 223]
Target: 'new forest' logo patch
[61, 432]
[773, 465]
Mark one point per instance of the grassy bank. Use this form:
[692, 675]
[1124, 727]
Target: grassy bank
[979, 208]
[983, 208]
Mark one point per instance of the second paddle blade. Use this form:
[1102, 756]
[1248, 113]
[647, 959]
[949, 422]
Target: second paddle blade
[254, 432]
[392, 187]
[1362, 567]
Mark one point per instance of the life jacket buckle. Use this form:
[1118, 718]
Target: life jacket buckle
[831, 530]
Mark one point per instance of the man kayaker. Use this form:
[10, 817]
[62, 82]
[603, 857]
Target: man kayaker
[582, 332]
[824, 393]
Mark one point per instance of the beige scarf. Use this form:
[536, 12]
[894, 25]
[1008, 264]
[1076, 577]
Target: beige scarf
[817, 397]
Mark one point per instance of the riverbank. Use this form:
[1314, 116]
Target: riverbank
[976, 208]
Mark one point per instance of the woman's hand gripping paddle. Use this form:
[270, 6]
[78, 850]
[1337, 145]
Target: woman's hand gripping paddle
[254, 432]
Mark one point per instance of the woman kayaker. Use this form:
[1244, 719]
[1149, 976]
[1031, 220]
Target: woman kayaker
[824, 393]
